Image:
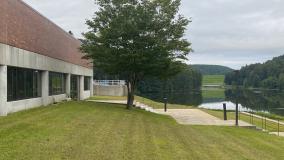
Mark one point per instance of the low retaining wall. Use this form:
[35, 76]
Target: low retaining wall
[116, 90]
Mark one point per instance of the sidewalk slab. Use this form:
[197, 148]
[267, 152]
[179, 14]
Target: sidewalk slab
[281, 134]
[185, 116]
[109, 101]
[198, 117]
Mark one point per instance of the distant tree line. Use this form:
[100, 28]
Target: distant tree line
[186, 81]
[212, 69]
[268, 75]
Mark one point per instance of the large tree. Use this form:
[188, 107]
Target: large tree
[137, 38]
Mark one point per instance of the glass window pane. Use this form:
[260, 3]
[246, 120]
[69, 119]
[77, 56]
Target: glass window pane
[23, 83]
[87, 81]
[56, 83]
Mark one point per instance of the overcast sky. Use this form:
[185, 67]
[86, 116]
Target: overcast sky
[225, 32]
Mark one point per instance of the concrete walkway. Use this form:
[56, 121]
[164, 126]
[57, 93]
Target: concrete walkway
[109, 101]
[281, 134]
[184, 116]
[198, 117]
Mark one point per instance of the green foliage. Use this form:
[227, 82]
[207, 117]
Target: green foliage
[212, 69]
[270, 82]
[267, 75]
[136, 39]
[101, 75]
[281, 81]
[186, 81]
[184, 88]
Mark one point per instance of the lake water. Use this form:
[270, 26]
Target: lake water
[249, 100]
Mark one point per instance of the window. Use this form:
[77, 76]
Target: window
[56, 83]
[23, 83]
[87, 81]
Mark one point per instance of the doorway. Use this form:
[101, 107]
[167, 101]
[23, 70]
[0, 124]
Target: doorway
[74, 87]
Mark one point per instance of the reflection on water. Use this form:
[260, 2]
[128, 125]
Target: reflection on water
[193, 98]
[257, 101]
[219, 106]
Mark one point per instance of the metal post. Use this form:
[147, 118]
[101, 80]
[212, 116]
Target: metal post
[240, 113]
[278, 127]
[225, 111]
[166, 101]
[252, 116]
[237, 114]
[265, 123]
[262, 122]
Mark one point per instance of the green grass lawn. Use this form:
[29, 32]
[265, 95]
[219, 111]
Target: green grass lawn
[270, 126]
[154, 104]
[88, 130]
[213, 80]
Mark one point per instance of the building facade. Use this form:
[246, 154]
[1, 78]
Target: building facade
[40, 63]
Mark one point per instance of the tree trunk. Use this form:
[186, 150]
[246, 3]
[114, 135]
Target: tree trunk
[130, 95]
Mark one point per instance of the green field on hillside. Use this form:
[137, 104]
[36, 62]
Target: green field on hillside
[88, 130]
[213, 80]
[213, 93]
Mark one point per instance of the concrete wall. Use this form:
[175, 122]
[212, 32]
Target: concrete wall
[3, 90]
[86, 94]
[11, 56]
[16, 106]
[20, 105]
[100, 90]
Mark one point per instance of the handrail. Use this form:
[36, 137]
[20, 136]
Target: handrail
[109, 82]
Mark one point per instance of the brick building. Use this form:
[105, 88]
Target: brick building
[40, 63]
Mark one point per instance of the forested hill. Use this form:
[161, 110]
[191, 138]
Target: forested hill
[267, 75]
[212, 69]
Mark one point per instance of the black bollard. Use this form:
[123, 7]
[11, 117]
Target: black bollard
[237, 114]
[166, 101]
[225, 111]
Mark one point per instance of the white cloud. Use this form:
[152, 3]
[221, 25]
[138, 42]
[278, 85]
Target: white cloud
[239, 32]
[70, 15]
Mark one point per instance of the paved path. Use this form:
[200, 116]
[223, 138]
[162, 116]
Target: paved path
[276, 133]
[198, 117]
[109, 101]
[185, 116]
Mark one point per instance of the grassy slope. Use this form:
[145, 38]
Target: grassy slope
[154, 104]
[87, 130]
[213, 80]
